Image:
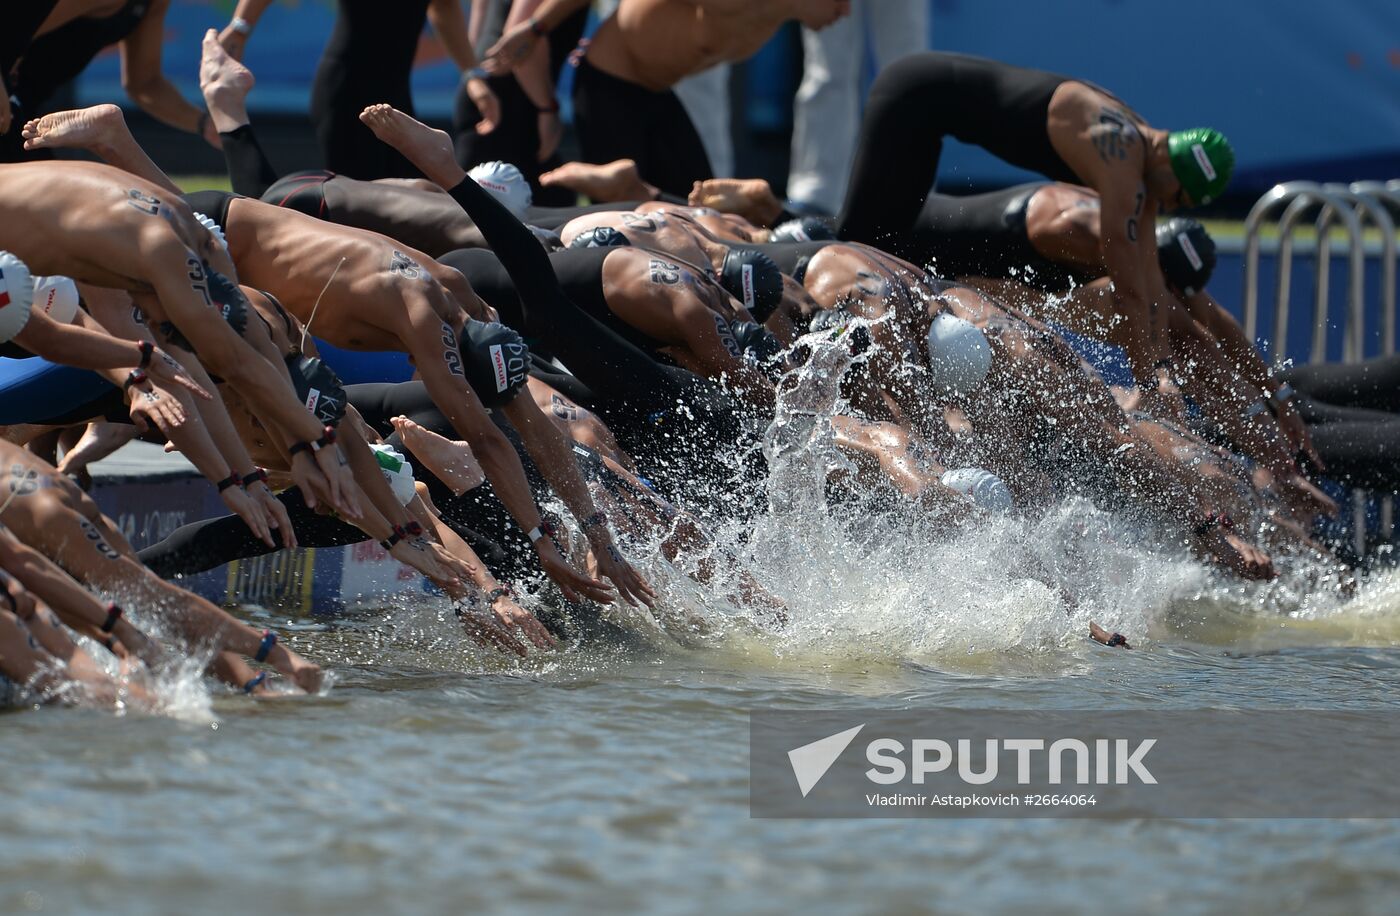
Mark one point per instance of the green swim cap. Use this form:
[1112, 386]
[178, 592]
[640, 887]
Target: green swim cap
[1202, 160]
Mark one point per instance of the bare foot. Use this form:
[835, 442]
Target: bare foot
[429, 149]
[751, 198]
[225, 83]
[1099, 634]
[82, 128]
[602, 184]
[451, 462]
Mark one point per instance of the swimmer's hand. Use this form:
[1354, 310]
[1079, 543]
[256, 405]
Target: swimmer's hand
[1100, 635]
[153, 406]
[575, 585]
[343, 492]
[486, 104]
[307, 474]
[275, 511]
[165, 370]
[414, 553]
[501, 626]
[253, 514]
[1229, 550]
[607, 562]
[511, 49]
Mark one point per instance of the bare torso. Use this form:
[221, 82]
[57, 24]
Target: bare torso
[657, 43]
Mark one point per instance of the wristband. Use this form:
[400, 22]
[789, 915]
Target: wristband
[537, 27]
[135, 377]
[258, 476]
[596, 519]
[241, 26]
[114, 613]
[147, 348]
[269, 639]
[546, 528]
[232, 480]
[552, 108]
[398, 535]
[475, 73]
[500, 591]
[414, 530]
[1282, 395]
[327, 438]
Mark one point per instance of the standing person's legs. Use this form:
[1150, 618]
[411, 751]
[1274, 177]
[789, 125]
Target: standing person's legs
[706, 99]
[826, 112]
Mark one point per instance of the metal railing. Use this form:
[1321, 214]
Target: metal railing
[1351, 207]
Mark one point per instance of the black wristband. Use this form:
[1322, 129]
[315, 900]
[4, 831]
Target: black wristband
[593, 521]
[502, 590]
[537, 27]
[114, 613]
[134, 377]
[232, 480]
[413, 529]
[258, 476]
[147, 349]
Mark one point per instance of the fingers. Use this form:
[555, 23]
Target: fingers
[280, 519]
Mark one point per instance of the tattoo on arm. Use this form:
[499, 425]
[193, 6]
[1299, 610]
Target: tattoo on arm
[143, 202]
[726, 336]
[198, 282]
[563, 409]
[664, 272]
[451, 355]
[406, 267]
[1114, 136]
[633, 221]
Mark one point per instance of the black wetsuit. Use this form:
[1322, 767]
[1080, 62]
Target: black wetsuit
[50, 61]
[618, 119]
[516, 138]
[1353, 414]
[673, 422]
[368, 59]
[984, 235]
[913, 105]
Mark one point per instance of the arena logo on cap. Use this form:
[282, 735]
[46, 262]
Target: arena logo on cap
[1203, 161]
[1189, 250]
[498, 362]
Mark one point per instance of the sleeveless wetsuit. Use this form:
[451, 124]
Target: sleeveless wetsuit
[642, 400]
[213, 204]
[984, 235]
[914, 104]
[368, 59]
[52, 60]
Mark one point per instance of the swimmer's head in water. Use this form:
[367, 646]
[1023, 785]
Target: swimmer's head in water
[600, 237]
[16, 296]
[1187, 254]
[959, 356]
[318, 388]
[506, 184]
[495, 361]
[56, 297]
[806, 229]
[1202, 160]
[754, 279]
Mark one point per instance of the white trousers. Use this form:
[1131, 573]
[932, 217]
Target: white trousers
[826, 115]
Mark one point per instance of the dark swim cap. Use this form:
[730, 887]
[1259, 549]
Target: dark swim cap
[755, 341]
[754, 279]
[1187, 254]
[1202, 160]
[318, 387]
[226, 297]
[806, 229]
[495, 361]
[600, 237]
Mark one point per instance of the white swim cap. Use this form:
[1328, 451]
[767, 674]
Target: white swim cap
[959, 356]
[397, 470]
[506, 184]
[213, 227]
[16, 296]
[56, 297]
[983, 487]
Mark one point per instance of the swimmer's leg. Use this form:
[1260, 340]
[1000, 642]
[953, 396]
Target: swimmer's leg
[100, 130]
[225, 83]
